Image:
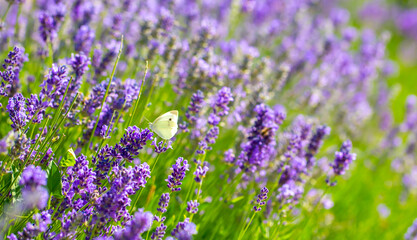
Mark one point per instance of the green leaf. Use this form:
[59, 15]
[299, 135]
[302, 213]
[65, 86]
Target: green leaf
[237, 199]
[54, 181]
[6, 179]
[69, 161]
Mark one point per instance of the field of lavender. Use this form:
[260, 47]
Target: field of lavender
[208, 119]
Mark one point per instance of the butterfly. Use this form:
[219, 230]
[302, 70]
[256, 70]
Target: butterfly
[166, 125]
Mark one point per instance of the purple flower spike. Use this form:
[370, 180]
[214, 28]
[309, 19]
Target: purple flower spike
[135, 139]
[192, 206]
[260, 144]
[160, 147]
[223, 98]
[200, 173]
[315, 143]
[33, 193]
[262, 197]
[79, 63]
[32, 230]
[159, 232]
[411, 233]
[184, 230]
[197, 102]
[229, 156]
[140, 223]
[10, 75]
[17, 111]
[163, 202]
[83, 39]
[50, 21]
[33, 177]
[343, 158]
[177, 175]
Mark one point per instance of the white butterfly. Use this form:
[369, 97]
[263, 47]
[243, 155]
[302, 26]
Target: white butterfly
[166, 125]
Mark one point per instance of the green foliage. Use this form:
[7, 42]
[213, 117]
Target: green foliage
[54, 183]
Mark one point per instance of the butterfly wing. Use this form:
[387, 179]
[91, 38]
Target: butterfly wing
[166, 125]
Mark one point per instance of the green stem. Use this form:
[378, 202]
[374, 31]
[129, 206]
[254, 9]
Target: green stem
[5, 13]
[61, 104]
[136, 200]
[247, 226]
[17, 27]
[199, 189]
[190, 189]
[107, 132]
[148, 98]
[107, 92]
[141, 190]
[198, 196]
[314, 210]
[54, 130]
[140, 93]
[233, 18]
[156, 160]
[31, 121]
[51, 53]
[56, 208]
[20, 224]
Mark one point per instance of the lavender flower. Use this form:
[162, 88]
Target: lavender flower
[135, 139]
[129, 146]
[105, 62]
[166, 20]
[10, 75]
[79, 180]
[212, 135]
[32, 230]
[161, 146]
[50, 21]
[262, 197]
[315, 143]
[200, 173]
[159, 232]
[163, 203]
[290, 192]
[184, 230]
[17, 112]
[83, 39]
[34, 194]
[196, 103]
[126, 182]
[35, 105]
[407, 23]
[177, 175]
[213, 119]
[33, 177]
[70, 221]
[411, 233]
[192, 206]
[53, 87]
[47, 27]
[343, 158]
[229, 156]
[96, 97]
[49, 156]
[260, 145]
[141, 222]
[79, 63]
[221, 102]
